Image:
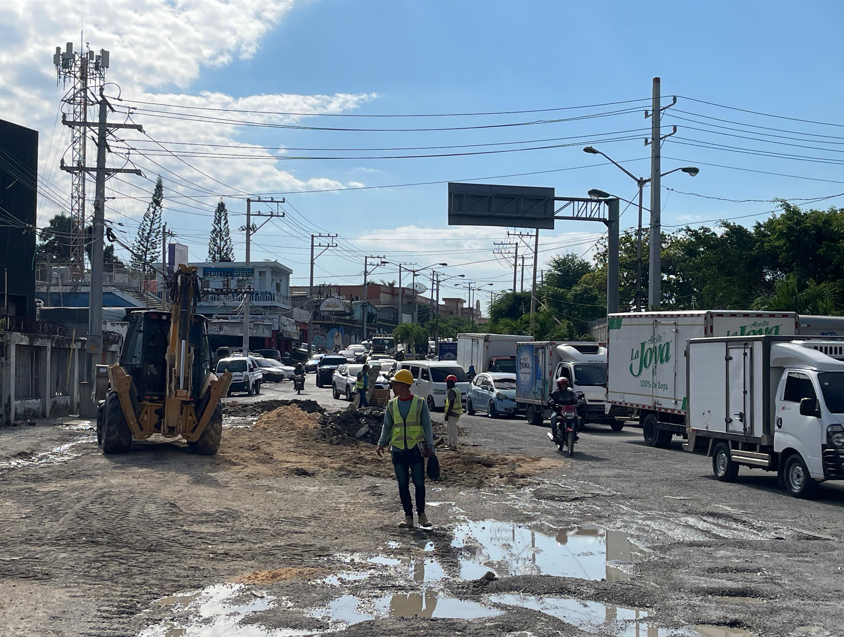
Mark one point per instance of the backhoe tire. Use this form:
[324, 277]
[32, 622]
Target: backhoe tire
[116, 437]
[209, 441]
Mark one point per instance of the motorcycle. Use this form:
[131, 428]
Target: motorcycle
[299, 383]
[567, 426]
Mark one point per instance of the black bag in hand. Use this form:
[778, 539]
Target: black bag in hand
[433, 468]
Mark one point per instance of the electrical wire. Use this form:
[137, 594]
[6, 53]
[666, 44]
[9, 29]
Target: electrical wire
[381, 115]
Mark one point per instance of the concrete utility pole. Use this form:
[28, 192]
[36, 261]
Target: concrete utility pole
[366, 287]
[250, 230]
[522, 284]
[516, 269]
[95, 296]
[535, 267]
[324, 247]
[655, 265]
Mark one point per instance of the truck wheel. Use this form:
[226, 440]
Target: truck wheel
[116, 435]
[797, 480]
[650, 430]
[209, 441]
[616, 426]
[257, 389]
[663, 439]
[318, 381]
[469, 408]
[534, 415]
[722, 463]
[249, 390]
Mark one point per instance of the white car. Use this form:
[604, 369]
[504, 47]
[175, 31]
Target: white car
[429, 380]
[246, 374]
[343, 382]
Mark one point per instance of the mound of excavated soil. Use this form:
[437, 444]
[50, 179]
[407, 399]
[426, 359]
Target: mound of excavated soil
[289, 441]
[234, 408]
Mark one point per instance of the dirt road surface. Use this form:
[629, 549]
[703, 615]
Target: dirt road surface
[292, 530]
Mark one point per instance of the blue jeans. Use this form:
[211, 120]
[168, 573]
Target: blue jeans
[362, 400]
[408, 464]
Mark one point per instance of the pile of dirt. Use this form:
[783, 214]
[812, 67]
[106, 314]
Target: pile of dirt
[350, 425]
[234, 408]
[288, 418]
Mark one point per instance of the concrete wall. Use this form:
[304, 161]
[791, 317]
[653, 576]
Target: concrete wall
[56, 388]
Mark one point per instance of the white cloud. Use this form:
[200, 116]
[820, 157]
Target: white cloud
[156, 45]
[355, 184]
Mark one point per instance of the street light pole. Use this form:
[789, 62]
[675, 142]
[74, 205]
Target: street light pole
[640, 182]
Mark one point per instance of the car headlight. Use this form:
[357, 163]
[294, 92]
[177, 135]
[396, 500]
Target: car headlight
[500, 396]
[835, 435]
[439, 391]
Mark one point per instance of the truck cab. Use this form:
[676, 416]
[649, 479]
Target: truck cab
[778, 405]
[584, 365]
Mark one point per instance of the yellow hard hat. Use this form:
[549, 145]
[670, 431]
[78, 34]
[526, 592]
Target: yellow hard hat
[403, 376]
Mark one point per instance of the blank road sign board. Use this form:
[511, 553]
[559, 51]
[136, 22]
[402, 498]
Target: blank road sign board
[494, 205]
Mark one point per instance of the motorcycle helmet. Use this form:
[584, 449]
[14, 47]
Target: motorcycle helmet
[563, 383]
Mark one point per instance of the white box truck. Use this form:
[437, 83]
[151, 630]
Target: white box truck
[488, 352]
[769, 402]
[583, 363]
[813, 325]
[647, 372]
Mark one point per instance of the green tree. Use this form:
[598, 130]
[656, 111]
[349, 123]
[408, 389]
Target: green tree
[813, 298]
[565, 271]
[509, 305]
[220, 247]
[148, 238]
[414, 337]
[55, 239]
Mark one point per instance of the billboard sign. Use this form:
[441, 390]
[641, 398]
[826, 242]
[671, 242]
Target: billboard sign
[333, 304]
[495, 205]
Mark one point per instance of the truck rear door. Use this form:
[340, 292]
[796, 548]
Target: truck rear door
[740, 411]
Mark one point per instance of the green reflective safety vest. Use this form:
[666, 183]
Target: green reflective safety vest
[409, 432]
[359, 381]
[458, 403]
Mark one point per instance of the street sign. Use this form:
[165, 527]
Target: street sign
[496, 205]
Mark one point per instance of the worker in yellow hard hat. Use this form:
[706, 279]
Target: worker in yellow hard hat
[407, 428]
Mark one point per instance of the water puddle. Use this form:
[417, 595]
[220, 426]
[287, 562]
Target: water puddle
[348, 609]
[217, 610]
[586, 552]
[384, 561]
[623, 622]
[344, 578]
[62, 453]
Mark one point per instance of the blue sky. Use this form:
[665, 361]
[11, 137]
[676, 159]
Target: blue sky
[434, 57]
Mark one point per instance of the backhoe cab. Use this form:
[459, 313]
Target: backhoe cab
[164, 383]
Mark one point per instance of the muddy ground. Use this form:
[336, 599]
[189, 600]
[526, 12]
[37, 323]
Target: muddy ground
[285, 533]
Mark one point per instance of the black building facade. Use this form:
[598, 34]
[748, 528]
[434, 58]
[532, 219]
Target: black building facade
[18, 199]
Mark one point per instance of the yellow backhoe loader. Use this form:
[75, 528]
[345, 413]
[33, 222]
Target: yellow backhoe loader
[164, 383]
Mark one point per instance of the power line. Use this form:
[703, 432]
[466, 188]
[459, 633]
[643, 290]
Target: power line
[381, 115]
[744, 110]
[218, 120]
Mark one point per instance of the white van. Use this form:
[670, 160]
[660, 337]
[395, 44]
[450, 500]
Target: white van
[429, 380]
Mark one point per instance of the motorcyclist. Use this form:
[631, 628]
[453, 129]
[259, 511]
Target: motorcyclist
[562, 396]
[300, 369]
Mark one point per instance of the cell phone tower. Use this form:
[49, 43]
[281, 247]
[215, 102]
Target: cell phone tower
[83, 71]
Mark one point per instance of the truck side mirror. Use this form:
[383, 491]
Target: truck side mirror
[810, 407]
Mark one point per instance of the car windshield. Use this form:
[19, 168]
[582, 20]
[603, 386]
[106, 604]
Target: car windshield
[274, 363]
[332, 361]
[506, 365]
[314, 361]
[231, 366]
[263, 362]
[832, 386]
[354, 369]
[438, 374]
[505, 384]
[590, 375]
